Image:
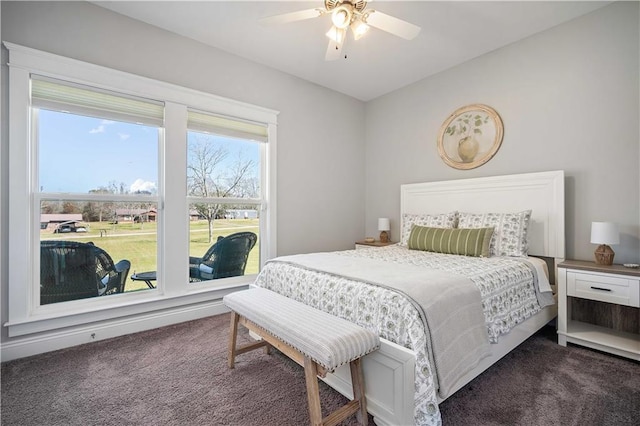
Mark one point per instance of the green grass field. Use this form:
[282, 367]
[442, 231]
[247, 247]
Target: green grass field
[137, 242]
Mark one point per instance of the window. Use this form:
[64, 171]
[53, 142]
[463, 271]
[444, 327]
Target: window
[104, 194]
[224, 159]
[97, 181]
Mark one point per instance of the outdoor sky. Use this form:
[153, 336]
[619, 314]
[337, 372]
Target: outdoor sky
[78, 153]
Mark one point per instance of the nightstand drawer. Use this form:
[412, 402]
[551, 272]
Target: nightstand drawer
[604, 288]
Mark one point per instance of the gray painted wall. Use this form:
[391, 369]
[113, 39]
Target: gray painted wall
[320, 171]
[569, 100]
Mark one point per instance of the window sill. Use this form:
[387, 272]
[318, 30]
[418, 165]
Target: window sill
[153, 303]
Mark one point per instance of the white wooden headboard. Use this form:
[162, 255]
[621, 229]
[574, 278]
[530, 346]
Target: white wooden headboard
[542, 192]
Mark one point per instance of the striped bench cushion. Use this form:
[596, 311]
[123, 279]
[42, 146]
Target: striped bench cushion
[326, 339]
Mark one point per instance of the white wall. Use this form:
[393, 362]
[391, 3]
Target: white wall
[320, 170]
[569, 99]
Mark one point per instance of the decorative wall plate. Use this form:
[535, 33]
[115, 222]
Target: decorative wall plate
[470, 136]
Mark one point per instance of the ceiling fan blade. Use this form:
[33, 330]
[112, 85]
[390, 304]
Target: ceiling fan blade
[392, 25]
[334, 50]
[292, 16]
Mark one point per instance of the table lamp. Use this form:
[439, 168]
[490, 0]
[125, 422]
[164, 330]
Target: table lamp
[604, 233]
[383, 227]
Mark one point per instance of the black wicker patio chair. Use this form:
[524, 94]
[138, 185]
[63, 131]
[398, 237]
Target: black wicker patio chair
[70, 270]
[226, 258]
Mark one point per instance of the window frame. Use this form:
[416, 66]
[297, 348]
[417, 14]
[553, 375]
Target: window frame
[25, 317]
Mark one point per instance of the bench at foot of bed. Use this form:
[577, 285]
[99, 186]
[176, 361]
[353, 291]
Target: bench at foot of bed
[318, 341]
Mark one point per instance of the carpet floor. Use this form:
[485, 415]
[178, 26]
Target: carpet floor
[543, 383]
[177, 375]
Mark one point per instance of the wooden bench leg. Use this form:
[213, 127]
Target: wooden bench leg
[233, 336]
[313, 392]
[357, 379]
[357, 406]
[234, 350]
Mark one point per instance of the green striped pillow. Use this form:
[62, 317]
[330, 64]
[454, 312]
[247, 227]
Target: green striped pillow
[467, 242]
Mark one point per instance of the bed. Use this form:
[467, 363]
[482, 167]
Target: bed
[414, 370]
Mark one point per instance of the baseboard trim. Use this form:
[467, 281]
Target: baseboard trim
[23, 347]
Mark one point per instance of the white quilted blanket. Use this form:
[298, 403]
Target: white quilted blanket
[506, 285]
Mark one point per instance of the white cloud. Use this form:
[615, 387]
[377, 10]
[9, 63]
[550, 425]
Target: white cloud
[102, 127]
[124, 136]
[143, 186]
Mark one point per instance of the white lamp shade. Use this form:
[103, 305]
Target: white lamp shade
[336, 34]
[383, 224]
[359, 28]
[605, 233]
[341, 16]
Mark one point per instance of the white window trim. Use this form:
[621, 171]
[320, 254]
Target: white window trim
[23, 318]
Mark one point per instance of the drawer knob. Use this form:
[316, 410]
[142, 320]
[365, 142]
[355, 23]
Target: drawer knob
[600, 288]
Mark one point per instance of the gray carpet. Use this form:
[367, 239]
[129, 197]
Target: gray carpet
[177, 375]
[542, 383]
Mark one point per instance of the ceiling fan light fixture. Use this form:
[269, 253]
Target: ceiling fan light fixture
[359, 28]
[341, 16]
[337, 34]
[347, 14]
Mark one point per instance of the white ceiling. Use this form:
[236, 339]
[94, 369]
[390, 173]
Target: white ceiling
[452, 32]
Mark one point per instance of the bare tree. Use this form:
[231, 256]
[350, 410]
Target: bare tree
[71, 207]
[210, 176]
[46, 207]
[96, 210]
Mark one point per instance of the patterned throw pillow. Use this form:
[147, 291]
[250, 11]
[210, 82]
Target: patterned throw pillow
[466, 242]
[444, 220]
[510, 230]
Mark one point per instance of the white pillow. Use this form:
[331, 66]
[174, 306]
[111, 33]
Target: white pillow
[510, 231]
[444, 220]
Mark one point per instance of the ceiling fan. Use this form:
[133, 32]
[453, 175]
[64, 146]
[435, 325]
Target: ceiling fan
[347, 14]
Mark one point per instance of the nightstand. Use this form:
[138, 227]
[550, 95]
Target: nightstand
[365, 245]
[599, 307]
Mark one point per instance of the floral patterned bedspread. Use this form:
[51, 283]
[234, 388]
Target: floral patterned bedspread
[506, 285]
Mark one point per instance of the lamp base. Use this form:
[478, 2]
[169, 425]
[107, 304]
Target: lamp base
[384, 237]
[604, 255]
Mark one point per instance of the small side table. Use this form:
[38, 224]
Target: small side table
[365, 245]
[147, 277]
[598, 307]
